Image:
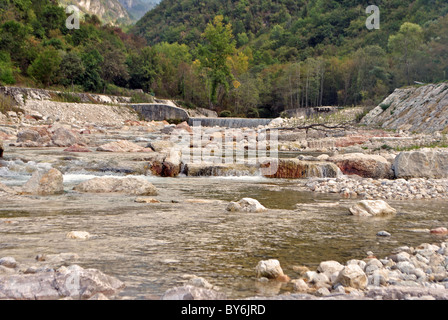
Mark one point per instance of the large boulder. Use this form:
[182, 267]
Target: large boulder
[28, 135]
[424, 163]
[298, 169]
[65, 138]
[127, 185]
[364, 165]
[369, 208]
[44, 183]
[66, 282]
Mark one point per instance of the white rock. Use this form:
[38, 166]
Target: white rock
[81, 235]
[352, 276]
[329, 267]
[246, 205]
[270, 269]
[368, 208]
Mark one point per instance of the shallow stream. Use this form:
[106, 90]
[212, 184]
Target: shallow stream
[151, 246]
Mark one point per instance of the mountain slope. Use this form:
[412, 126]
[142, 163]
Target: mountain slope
[299, 23]
[138, 8]
[109, 11]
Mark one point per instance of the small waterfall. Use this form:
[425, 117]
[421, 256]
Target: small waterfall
[220, 170]
[299, 169]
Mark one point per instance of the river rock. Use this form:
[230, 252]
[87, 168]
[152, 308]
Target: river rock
[146, 200]
[127, 185]
[77, 148]
[440, 230]
[364, 165]
[299, 285]
[329, 267]
[80, 235]
[171, 166]
[183, 126]
[189, 292]
[246, 205]
[352, 276]
[270, 269]
[122, 146]
[45, 183]
[160, 145]
[8, 262]
[28, 135]
[73, 281]
[425, 163]
[6, 189]
[298, 169]
[368, 208]
[62, 137]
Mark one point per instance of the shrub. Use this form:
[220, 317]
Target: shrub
[253, 113]
[7, 104]
[225, 114]
[385, 106]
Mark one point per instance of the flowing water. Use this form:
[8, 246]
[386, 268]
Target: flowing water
[151, 246]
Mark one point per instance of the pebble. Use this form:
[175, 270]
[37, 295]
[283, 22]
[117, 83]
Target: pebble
[367, 188]
[408, 270]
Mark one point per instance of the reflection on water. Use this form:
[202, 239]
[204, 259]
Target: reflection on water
[150, 246]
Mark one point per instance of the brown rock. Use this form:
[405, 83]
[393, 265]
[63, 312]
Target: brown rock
[65, 138]
[440, 230]
[297, 169]
[122, 146]
[127, 185]
[364, 165]
[45, 183]
[77, 148]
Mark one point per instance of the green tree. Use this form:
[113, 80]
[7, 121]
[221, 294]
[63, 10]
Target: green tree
[46, 67]
[405, 46]
[113, 67]
[91, 79]
[6, 69]
[213, 55]
[143, 67]
[72, 68]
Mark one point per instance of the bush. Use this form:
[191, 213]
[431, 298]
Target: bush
[6, 69]
[385, 106]
[225, 114]
[253, 113]
[7, 104]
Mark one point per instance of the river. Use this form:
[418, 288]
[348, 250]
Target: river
[151, 247]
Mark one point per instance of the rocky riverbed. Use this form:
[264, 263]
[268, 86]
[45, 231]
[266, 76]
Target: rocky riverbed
[115, 194]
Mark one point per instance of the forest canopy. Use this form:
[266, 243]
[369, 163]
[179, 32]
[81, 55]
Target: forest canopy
[251, 58]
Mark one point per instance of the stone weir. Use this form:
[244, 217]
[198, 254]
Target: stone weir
[166, 111]
[229, 122]
[160, 111]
